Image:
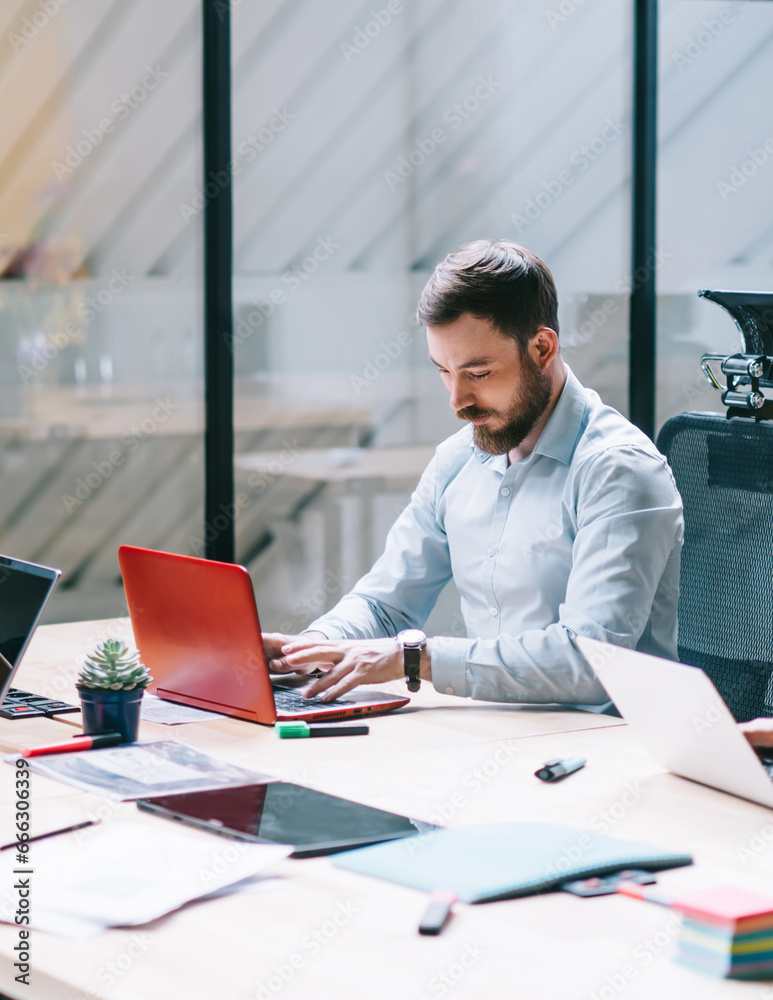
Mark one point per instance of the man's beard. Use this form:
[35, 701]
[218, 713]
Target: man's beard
[520, 419]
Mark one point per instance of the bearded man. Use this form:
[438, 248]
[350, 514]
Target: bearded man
[554, 515]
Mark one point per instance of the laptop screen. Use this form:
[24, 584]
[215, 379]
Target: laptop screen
[24, 591]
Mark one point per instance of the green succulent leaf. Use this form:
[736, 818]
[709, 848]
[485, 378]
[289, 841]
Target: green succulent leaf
[112, 666]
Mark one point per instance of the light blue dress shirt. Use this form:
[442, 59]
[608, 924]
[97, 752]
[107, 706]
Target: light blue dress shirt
[582, 537]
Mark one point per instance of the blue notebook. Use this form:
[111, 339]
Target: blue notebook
[501, 860]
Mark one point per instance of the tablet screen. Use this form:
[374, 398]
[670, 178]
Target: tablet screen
[281, 812]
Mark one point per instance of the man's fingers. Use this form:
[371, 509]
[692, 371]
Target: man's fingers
[277, 665]
[273, 642]
[330, 681]
[300, 642]
[351, 681]
[280, 665]
[313, 654]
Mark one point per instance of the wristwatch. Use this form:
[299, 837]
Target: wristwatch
[413, 641]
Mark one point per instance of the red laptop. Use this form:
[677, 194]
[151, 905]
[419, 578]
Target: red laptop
[196, 626]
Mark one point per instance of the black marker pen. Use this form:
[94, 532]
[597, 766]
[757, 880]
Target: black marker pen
[552, 770]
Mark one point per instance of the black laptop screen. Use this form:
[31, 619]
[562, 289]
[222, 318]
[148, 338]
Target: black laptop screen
[24, 590]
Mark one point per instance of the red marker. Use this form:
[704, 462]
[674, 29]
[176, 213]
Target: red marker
[77, 743]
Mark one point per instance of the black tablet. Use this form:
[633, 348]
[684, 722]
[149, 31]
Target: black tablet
[279, 812]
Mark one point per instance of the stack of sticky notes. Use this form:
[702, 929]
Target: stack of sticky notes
[727, 932]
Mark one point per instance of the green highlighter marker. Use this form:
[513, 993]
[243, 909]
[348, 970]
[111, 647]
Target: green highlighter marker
[296, 729]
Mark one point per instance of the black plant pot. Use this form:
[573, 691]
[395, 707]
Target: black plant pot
[111, 712]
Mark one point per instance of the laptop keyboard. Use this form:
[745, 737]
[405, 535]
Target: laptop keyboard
[291, 701]
[23, 704]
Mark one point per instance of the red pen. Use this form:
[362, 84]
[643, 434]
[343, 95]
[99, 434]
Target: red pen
[77, 743]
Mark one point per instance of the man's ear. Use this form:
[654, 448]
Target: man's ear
[543, 346]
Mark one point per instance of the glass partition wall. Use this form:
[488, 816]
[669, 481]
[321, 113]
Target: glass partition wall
[714, 181]
[370, 141]
[100, 329]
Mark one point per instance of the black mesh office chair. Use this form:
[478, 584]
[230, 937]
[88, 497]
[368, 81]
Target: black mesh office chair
[723, 468]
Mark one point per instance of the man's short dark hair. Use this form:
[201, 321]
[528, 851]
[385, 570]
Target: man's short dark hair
[501, 282]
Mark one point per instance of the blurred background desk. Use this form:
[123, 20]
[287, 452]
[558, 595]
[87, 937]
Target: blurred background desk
[348, 482]
[88, 468]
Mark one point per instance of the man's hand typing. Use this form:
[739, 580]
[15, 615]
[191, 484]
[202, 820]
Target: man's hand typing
[345, 663]
[277, 664]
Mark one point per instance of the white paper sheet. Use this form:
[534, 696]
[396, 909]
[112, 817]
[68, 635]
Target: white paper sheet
[169, 713]
[127, 873]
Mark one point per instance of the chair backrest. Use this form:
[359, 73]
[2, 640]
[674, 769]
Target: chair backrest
[753, 315]
[724, 471]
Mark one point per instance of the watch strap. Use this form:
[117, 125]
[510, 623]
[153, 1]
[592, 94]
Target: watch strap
[412, 660]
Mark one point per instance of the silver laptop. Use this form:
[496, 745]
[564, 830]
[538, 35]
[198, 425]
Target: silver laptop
[679, 716]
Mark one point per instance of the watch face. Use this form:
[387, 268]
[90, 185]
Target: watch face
[411, 637]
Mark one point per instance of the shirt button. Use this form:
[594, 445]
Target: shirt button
[449, 690]
[491, 552]
[493, 611]
[505, 491]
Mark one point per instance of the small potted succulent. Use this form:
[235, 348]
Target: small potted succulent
[110, 686]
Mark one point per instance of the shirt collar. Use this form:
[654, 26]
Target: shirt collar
[559, 437]
[562, 430]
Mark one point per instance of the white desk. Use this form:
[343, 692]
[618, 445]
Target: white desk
[419, 762]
